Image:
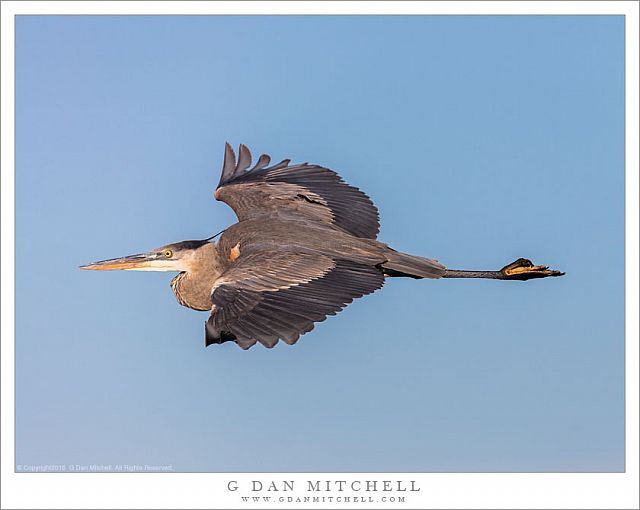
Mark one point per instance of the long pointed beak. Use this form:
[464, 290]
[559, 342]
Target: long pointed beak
[141, 261]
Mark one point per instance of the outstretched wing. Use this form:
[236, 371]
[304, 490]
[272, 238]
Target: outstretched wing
[269, 296]
[301, 191]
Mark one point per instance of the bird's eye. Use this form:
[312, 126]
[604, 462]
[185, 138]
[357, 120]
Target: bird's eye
[168, 253]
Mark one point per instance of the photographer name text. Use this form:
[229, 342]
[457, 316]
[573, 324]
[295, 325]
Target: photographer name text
[324, 486]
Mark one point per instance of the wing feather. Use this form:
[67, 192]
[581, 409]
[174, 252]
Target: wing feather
[244, 160]
[229, 164]
[263, 161]
[306, 191]
[269, 296]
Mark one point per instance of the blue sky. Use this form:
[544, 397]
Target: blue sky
[481, 140]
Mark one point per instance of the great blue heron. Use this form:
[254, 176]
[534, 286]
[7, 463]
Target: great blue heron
[304, 247]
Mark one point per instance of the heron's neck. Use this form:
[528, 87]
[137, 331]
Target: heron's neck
[193, 287]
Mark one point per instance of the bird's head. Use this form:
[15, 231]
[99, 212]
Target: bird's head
[172, 257]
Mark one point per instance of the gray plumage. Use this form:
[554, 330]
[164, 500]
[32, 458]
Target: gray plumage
[304, 247]
[307, 249]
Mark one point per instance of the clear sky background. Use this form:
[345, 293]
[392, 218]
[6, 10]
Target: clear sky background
[481, 139]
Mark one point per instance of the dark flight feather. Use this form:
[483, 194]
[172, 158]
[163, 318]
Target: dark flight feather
[304, 191]
[263, 161]
[229, 164]
[301, 289]
[244, 159]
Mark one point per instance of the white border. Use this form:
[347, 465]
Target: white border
[208, 490]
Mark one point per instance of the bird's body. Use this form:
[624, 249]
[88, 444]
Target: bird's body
[298, 236]
[304, 247]
[299, 250]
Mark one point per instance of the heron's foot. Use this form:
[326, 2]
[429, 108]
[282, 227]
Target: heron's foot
[523, 269]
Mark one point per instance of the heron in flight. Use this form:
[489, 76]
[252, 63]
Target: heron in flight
[304, 247]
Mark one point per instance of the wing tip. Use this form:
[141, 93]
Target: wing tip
[244, 159]
[233, 167]
[212, 336]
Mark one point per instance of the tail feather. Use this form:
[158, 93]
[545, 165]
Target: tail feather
[413, 266]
